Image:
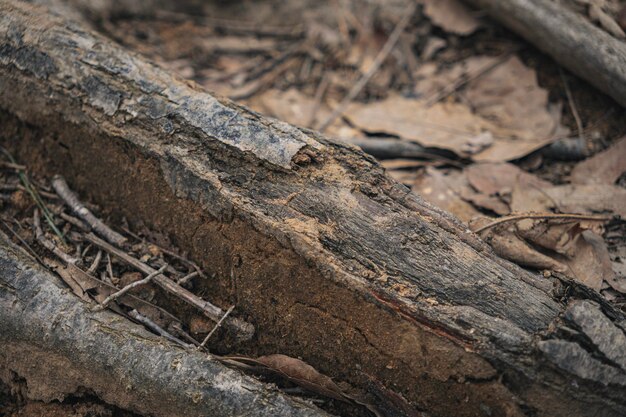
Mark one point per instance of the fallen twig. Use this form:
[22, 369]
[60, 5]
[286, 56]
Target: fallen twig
[95, 263]
[155, 327]
[129, 287]
[572, 104]
[187, 278]
[380, 58]
[217, 325]
[243, 330]
[63, 190]
[48, 244]
[168, 252]
[539, 216]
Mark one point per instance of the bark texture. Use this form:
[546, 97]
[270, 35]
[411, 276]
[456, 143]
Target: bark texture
[60, 347]
[584, 49]
[330, 259]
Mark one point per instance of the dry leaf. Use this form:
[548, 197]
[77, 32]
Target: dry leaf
[430, 79]
[451, 15]
[569, 247]
[603, 168]
[588, 198]
[498, 178]
[449, 126]
[507, 244]
[510, 97]
[511, 116]
[298, 372]
[445, 191]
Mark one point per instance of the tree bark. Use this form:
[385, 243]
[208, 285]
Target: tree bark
[61, 347]
[582, 48]
[329, 258]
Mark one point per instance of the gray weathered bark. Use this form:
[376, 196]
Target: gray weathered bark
[60, 347]
[330, 259]
[584, 49]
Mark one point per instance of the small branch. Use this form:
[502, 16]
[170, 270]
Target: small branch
[538, 216]
[48, 244]
[129, 287]
[76, 222]
[244, 330]
[217, 325]
[95, 263]
[187, 278]
[572, 104]
[63, 190]
[155, 327]
[378, 61]
[167, 252]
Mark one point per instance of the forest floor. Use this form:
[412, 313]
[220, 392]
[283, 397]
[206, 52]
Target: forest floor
[455, 107]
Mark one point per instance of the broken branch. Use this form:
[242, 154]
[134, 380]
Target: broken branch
[63, 190]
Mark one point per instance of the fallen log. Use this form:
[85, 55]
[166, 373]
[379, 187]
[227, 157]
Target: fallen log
[330, 259]
[58, 345]
[582, 48]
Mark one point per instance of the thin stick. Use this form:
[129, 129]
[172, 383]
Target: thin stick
[129, 287]
[76, 222]
[217, 325]
[63, 190]
[524, 216]
[461, 81]
[378, 61]
[187, 278]
[95, 263]
[572, 104]
[167, 252]
[155, 327]
[317, 100]
[26, 245]
[243, 329]
[48, 244]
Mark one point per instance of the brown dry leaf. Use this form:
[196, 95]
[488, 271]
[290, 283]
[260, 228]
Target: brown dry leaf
[498, 178]
[511, 116]
[590, 262]
[603, 168]
[507, 244]
[430, 79]
[495, 182]
[510, 97]
[569, 247]
[445, 191]
[451, 15]
[293, 107]
[302, 374]
[449, 126]
[588, 198]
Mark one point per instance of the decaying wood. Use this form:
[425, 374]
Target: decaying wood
[335, 262]
[60, 345]
[574, 42]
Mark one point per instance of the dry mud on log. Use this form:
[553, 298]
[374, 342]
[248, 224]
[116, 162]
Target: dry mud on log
[330, 259]
[60, 347]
